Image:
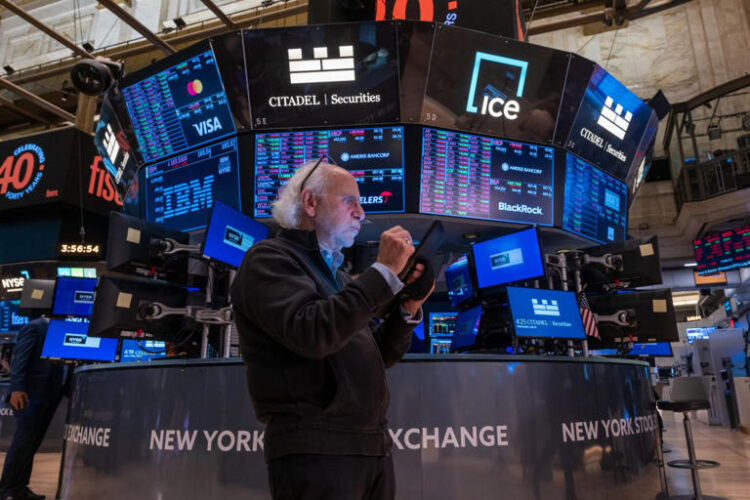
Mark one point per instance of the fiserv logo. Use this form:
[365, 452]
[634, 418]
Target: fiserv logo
[498, 106]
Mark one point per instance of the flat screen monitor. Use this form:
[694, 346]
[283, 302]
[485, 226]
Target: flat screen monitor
[177, 104]
[485, 178]
[10, 318]
[467, 328]
[122, 305]
[539, 313]
[656, 349]
[458, 281]
[723, 251]
[179, 191]
[336, 74]
[74, 296]
[374, 156]
[610, 125]
[230, 234]
[141, 350]
[603, 352]
[595, 204]
[719, 278]
[441, 324]
[131, 248]
[508, 259]
[651, 313]
[640, 265]
[77, 272]
[491, 85]
[113, 146]
[70, 340]
[700, 333]
[37, 297]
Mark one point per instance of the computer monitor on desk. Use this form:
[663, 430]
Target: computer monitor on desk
[441, 326]
[467, 328]
[74, 296]
[539, 313]
[69, 340]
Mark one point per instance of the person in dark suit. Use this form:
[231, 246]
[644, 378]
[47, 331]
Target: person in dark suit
[36, 388]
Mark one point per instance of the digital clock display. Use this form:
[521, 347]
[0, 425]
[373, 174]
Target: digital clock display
[79, 249]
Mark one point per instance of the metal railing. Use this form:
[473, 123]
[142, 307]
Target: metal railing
[723, 174]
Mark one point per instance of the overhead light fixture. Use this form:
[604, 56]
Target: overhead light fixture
[9, 69]
[179, 22]
[168, 25]
[87, 47]
[690, 264]
[714, 131]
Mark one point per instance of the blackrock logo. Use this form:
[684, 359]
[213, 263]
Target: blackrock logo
[545, 307]
[321, 68]
[612, 120]
[494, 103]
[519, 208]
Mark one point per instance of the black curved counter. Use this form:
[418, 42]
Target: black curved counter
[463, 426]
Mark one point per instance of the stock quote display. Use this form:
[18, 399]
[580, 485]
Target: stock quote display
[374, 156]
[180, 191]
[595, 204]
[179, 108]
[723, 251]
[478, 177]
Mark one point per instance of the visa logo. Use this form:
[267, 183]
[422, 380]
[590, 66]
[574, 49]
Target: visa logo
[207, 126]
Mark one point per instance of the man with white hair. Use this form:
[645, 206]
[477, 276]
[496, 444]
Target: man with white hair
[315, 355]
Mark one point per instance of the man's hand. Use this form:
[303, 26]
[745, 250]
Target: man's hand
[395, 249]
[19, 400]
[413, 305]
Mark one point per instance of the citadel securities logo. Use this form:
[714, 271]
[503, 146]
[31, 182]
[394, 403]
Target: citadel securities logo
[21, 172]
[322, 69]
[612, 120]
[545, 307]
[498, 106]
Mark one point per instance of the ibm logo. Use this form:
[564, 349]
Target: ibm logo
[322, 69]
[545, 307]
[612, 120]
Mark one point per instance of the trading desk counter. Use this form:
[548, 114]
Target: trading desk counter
[463, 427]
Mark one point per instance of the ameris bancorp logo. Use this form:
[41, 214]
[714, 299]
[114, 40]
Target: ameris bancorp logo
[497, 106]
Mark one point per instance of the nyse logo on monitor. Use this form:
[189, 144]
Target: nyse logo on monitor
[545, 307]
[83, 297]
[508, 258]
[237, 239]
[321, 68]
[489, 100]
[612, 120]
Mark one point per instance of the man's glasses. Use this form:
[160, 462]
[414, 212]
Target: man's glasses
[302, 185]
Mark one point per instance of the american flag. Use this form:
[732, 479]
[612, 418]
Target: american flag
[589, 320]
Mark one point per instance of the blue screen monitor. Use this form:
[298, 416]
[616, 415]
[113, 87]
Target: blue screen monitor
[603, 352]
[658, 349]
[508, 259]
[467, 328]
[180, 191]
[230, 234]
[374, 156]
[595, 204]
[541, 313]
[74, 296]
[178, 108]
[10, 319]
[441, 324]
[69, 340]
[700, 333]
[458, 280]
[141, 350]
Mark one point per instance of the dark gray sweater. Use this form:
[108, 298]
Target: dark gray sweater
[315, 357]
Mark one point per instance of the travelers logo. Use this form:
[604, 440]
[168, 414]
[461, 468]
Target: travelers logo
[496, 105]
[545, 307]
[321, 68]
[612, 120]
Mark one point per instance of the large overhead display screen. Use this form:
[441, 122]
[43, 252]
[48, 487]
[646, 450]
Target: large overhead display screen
[610, 124]
[484, 178]
[180, 107]
[114, 147]
[180, 191]
[723, 251]
[595, 204]
[323, 75]
[490, 85]
[374, 156]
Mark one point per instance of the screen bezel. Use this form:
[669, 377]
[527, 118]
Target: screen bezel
[494, 289]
